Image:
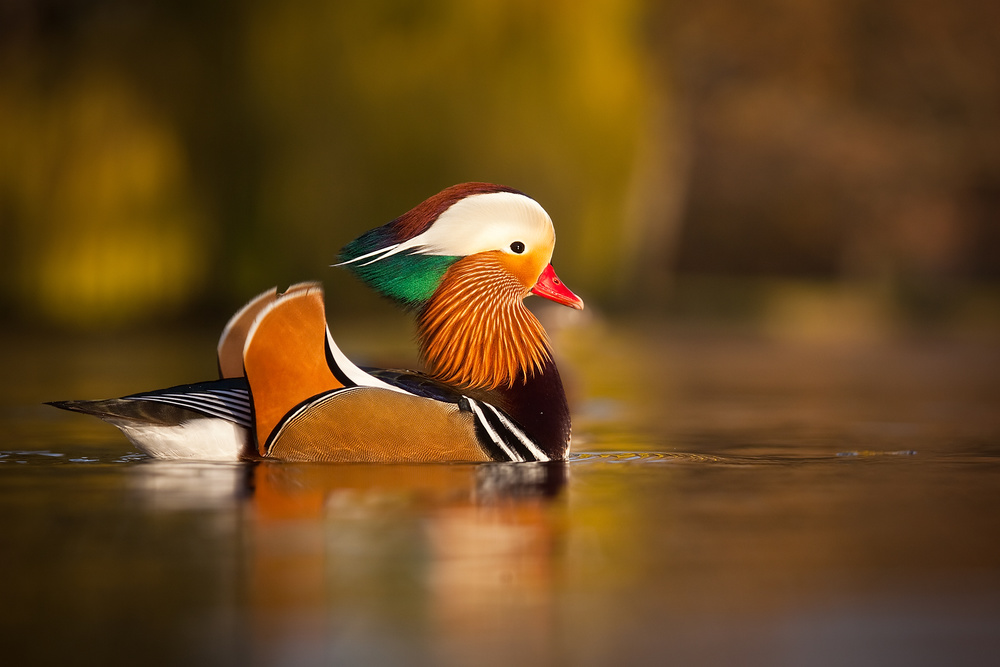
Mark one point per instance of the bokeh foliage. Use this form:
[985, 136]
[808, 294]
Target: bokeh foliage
[159, 155]
[158, 159]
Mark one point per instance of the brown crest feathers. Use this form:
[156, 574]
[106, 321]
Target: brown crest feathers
[420, 217]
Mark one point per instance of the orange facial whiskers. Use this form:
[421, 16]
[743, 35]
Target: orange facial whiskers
[476, 332]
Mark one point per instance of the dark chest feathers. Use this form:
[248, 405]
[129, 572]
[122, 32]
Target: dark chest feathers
[538, 406]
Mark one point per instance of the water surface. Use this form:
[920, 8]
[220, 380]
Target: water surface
[733, 498]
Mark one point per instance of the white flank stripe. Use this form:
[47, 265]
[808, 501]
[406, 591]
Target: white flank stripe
[514, 456]
[532, 447]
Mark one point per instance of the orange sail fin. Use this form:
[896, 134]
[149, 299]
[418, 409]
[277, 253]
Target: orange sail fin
[285, 357]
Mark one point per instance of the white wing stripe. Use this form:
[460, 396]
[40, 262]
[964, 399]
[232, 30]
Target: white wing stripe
[239, 394]
[353, 373]
[199, 404]
[206, 404]
[236, 404]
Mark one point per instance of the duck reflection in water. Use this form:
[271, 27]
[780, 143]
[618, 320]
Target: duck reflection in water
[468, 549]
[346, 555]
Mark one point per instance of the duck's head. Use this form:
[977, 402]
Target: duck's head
[495, 232]
[465, 259]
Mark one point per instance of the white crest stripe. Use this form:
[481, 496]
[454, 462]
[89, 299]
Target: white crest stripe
[367, 255]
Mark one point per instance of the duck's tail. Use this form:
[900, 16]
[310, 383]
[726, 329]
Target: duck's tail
[274, 354]
[207, 421]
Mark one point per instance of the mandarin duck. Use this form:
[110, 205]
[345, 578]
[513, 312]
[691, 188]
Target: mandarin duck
[462, 261]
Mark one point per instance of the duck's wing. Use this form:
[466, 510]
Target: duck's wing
[221, 399]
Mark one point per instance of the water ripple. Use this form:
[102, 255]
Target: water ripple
[687, 457]
[639, 457]
[48, 457]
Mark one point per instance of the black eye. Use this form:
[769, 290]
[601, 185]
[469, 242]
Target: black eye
[517, 247]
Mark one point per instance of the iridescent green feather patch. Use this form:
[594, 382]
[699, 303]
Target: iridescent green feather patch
[409, 279]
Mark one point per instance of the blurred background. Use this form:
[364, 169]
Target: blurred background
[784, 216]
[837, 160]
